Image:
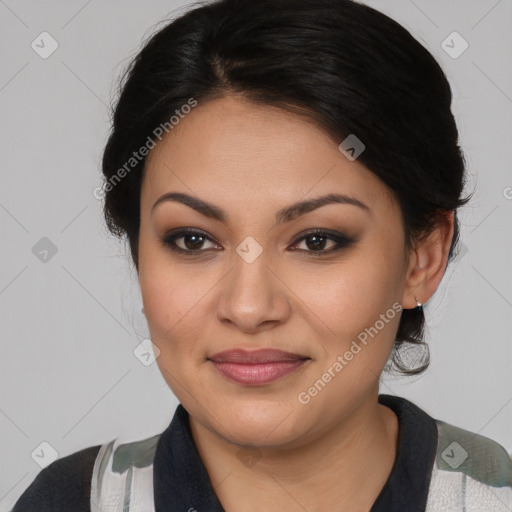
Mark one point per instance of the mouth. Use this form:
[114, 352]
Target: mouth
[256, 367]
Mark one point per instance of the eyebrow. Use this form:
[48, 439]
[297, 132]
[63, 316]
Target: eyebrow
[284, 215]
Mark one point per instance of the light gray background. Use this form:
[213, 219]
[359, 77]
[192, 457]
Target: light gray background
[68, 375]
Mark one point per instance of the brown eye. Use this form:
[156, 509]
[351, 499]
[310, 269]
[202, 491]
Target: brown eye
[315, 242]
[187, 241]
[193, 242]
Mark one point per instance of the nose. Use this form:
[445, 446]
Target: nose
[254, 296]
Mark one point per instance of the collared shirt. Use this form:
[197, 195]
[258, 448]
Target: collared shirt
[438, 467]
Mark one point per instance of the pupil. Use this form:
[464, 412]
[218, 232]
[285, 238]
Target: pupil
[193, 245]
[320, 241]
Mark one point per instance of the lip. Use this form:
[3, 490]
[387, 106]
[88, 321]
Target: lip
[256, 367]
[262, 355]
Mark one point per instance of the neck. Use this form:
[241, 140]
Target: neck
[357, 453]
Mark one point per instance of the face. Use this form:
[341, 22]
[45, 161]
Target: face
[255, 271]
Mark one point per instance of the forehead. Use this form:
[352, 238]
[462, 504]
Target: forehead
[230, 148]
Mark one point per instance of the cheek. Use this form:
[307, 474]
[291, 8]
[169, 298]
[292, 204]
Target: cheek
[163, 292]
[176, 307]
[357, 290]
[359, 300]
[173, 329]
[160, 282]
[168, 305]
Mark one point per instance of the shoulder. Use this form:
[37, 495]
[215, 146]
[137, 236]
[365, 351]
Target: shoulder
[101, 474]
[123, 473]
[66, 480]
[470, 472]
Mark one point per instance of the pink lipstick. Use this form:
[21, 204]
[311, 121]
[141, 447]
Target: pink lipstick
[256, 367]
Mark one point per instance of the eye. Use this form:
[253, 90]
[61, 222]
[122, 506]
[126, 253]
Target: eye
[191, 241]
[315, 242]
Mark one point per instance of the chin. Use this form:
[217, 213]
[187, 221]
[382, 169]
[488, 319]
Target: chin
[259, 423]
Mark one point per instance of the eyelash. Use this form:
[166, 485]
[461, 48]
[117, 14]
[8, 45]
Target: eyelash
[340, 240]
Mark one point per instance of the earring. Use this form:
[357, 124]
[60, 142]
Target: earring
[419, 305]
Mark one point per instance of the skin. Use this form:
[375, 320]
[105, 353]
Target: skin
[251, 161]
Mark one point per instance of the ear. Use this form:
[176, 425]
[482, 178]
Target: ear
[427, 262]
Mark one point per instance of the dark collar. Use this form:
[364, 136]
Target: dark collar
[409, 481]
[181, 482]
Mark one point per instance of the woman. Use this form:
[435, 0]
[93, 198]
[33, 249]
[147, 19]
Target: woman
[287, 174]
